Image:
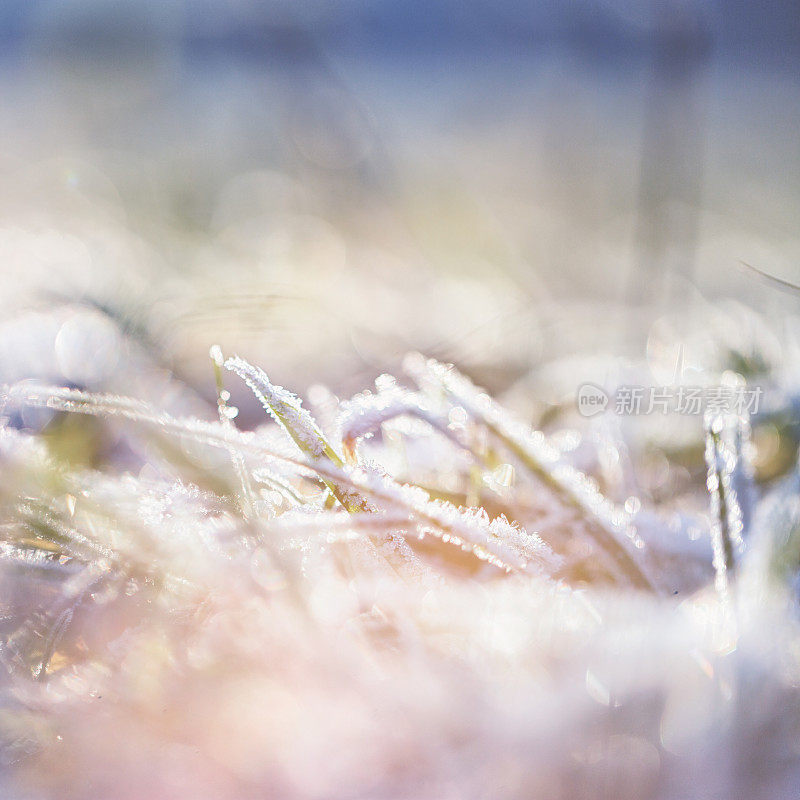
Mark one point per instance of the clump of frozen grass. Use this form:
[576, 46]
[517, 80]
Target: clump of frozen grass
[287, 410]
[279, 611]
[495, 541]
[610, 525]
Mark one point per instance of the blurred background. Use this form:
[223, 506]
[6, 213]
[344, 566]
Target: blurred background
[322, 185]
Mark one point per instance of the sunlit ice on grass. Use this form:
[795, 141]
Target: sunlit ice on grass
[399, 400]
[411, 590]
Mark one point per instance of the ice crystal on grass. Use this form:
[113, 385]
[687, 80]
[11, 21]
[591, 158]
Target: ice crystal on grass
[363, 415]
[726, 512]
[286, 409]
[151, 609]
[611, 525]
[495, 541]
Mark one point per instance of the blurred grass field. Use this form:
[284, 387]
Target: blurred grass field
[326, 206]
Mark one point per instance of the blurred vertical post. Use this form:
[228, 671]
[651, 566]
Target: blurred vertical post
[672, 154]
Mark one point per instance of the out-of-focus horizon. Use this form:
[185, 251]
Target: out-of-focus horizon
[324, 186]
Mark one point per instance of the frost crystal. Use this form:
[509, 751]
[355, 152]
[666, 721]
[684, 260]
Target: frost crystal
[285, 408]
[612, 527]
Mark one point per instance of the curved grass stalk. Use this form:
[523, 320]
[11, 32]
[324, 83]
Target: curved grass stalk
[611, 529]
[471, 532]
[211, 434]
[364, 414]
